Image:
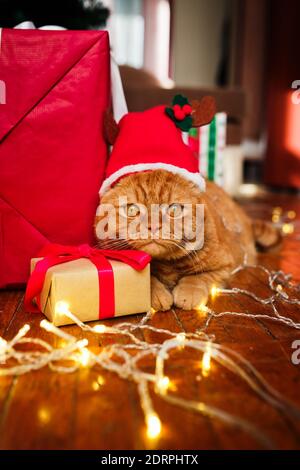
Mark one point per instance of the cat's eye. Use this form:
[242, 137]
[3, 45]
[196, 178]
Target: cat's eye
[175, 210]
[131, 210]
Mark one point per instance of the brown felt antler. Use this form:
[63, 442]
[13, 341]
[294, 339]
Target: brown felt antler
[203, 111]
[111, 128]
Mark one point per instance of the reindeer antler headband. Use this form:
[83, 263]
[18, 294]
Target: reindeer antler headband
[184, 115]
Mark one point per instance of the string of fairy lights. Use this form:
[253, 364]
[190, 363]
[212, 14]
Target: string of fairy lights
[284, 220]
[125, 358]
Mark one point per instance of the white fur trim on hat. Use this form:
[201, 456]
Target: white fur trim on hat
[195, 178]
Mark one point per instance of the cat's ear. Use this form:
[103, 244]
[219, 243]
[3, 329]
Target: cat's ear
[110, 127]
[203, 111]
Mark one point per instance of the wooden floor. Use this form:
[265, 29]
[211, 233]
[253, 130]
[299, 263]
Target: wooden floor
[45, 410]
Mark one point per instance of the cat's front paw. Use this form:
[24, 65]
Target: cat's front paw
[189, 295]
[161, 297]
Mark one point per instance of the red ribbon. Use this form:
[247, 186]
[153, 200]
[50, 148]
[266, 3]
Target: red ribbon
[54, 254]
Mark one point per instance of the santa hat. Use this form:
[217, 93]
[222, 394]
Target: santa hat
[152, 140]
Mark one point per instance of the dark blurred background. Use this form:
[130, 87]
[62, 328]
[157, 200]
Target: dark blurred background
[71, 14]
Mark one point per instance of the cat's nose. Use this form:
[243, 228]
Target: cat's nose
[152, 226]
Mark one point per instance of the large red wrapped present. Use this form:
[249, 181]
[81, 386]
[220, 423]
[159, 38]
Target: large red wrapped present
[54, 91]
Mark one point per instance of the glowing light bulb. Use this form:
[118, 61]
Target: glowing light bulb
[99, 328]
[213, 292]
[44, 415]
[291, 214]
[100, 380]
[82, 343]
[24, 329]
[84, 357]
[46, 325]
[97, 384]
[163, 384]
[62, 308]
[153, 425]
[153, 310]
[56, 331]
[206, 361]
[181, 337]
[275, 218]
[22, 332]
[287, 229]
[3, 345]
[202, 308]
[280, 290]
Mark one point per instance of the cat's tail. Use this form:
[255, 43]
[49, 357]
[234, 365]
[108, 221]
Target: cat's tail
[265, 234]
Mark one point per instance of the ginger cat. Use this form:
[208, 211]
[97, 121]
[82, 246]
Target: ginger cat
[182, 276]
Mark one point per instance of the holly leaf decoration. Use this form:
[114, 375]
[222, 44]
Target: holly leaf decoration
[181, 100]
[183, 124]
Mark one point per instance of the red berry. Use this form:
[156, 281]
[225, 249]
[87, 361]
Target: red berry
[179, 114]
[187, 109]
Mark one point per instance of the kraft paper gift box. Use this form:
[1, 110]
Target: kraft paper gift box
[78, 283]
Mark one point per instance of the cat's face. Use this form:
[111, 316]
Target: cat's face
[154, 211]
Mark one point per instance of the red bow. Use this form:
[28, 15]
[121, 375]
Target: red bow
[56, 254]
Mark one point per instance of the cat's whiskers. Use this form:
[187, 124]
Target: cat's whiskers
[188, 253]
[125, 244]
[191, 254]
[113, 244]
